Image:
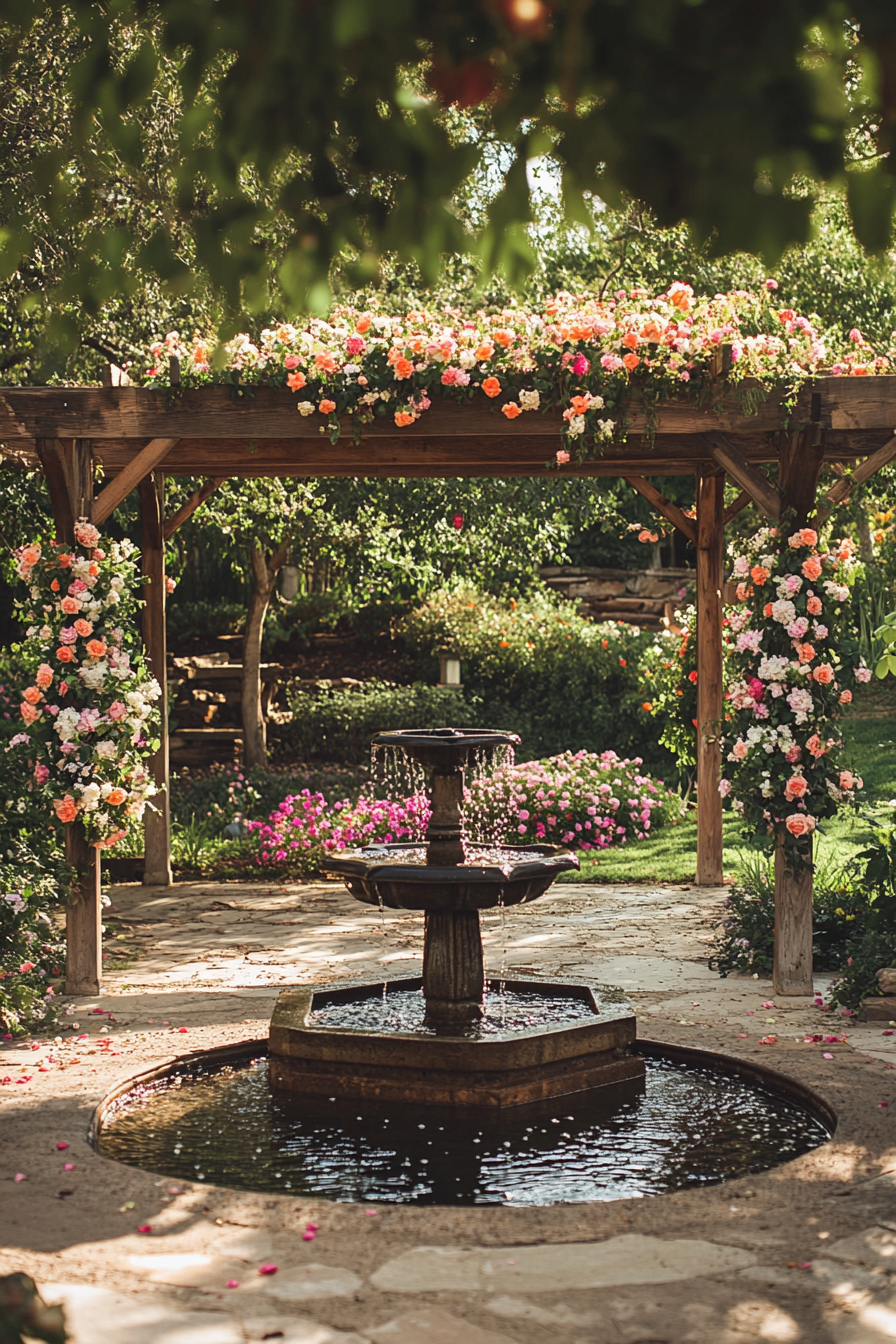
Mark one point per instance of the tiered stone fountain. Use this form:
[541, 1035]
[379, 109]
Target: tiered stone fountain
[465, 1040]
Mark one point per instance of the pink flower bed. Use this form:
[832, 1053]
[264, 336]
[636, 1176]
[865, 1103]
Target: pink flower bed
[305, 827]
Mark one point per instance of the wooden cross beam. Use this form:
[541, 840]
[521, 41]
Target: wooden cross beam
[193, 503]
[130, 477]
[748, 477]
[736, 506]
[665, 506]
[841, 490]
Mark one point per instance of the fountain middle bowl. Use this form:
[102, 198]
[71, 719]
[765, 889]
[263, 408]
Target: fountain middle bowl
[397, 876]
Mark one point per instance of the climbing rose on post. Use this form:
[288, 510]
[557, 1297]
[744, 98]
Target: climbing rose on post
[89, 717]
[793, 666]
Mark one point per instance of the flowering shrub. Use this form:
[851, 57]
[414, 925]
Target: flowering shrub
[305, 828]
[669, 674]
[31, 951]
[539, 668]
[584, 800]
[794, 666]
[87, 719]
[582, 354]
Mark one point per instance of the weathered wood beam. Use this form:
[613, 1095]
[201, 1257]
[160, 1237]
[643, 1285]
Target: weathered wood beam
[710, 543]
[792, 967]
[748, 477]
[192, 504]
[737, 506]
[841, 490]
[129, 477]
[54, 467]
[664, 506]
[157, 817]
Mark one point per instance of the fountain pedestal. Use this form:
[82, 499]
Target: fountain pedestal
[453, 967]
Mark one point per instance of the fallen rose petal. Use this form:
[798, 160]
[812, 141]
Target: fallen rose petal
[61, 1147]
[69, 1166]
[145, 1229]
[311, 1227]
[371, 1213]
[887, 1033]
[182, 1029]
[233, 1283]
[20, 1176]
[308, 1236]
[827, 1056]
[883, 1103]
[807, 1264]
[267, 1269]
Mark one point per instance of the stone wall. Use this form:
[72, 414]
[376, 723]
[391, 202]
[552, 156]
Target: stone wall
[645, 597]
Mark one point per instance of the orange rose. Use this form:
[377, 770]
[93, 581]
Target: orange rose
[630, 340]
[116, 797]
[403, 418]
[32, 695]
[83, 628]
[362, 325]
[326, 362]
[811, 568]
[581, 404]
[64, 561]
[296, 380]
[70, 605]
[491, 387]
[64, 654]
[742, 592]
[767, 609]
[55, 585]
[28, 713]
[485, 351]
[795, 787]
[800, 824]
[759, 575]
[403, 368]
[824, 674]
[66, 808]
[631, 361]
[44, 677]
[651, 332]
[805, 652]
[504, 337]
[96, 647]
[808, 537]
[511, 410]
[327, 407]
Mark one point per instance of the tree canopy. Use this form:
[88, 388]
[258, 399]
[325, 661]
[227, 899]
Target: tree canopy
[261, 144]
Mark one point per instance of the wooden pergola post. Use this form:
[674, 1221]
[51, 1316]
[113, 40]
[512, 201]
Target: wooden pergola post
[710, 540]
[83, 918]
[157, 818]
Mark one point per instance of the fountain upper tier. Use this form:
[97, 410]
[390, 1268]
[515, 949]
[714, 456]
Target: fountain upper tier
[445, 750]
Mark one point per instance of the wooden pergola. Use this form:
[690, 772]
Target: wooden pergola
[138, 436]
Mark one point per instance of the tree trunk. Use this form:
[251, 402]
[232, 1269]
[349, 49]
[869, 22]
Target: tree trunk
[264, 577]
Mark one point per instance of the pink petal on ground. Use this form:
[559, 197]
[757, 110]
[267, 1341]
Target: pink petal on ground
[887, 1033]
[69, 1166]
[371, 1213]
[20, 1176]
[311, 1227]
[233, 1283]
[61, 1147]
[267, 1269]
[146, 1228]
[827, 1056]
[308, 1236]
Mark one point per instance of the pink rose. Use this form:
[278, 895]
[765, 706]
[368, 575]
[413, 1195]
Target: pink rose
[824, 674]
[118, 711]
[795, 787]
[846, 697]
[799, 824]
[847, 779]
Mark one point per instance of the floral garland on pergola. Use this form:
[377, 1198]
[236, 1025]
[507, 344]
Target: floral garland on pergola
[588, 355]
[89, 718]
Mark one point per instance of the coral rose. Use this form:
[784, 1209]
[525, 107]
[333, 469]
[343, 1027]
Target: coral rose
[799, 824]
[491, 387]
[403, 418]
[66, 808]
[403, 368]
[805, 652]
[296, 380]
[811, 568]
[28, 713]
[808, 537]
[327, 407]
[117, 711]
[83, 628]
[30, 555]
[847, 779]
[71, 606]
[581, 404]
[362, 325]
[631, 361]
[86, 534]
[64, 561]
[759, 575]
[485, 351]
[44, 677]
[562, 456]
[824, 674]
[116, 797]
[511, 410]
[96, 647]
[64, 654]
[813, 606]
[32, 695]
[846, 697]
[795, 787]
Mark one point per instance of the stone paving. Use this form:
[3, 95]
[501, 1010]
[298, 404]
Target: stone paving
[806, 1252]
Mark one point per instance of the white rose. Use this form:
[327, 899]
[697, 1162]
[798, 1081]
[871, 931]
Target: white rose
[467, 358]
[576, 426]
[530, 400]
[305, 408]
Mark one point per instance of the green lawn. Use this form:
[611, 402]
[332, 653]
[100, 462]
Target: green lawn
[669, 854]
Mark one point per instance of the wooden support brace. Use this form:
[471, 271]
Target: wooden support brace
[121, 485]
[748, 477]
[710, 541]
[841, 490]
[737, 506]
[793, 925]
[193, 503]
[665, 506]
[55, 469]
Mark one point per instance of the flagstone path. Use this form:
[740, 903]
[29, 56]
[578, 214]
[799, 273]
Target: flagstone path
[806, 1252]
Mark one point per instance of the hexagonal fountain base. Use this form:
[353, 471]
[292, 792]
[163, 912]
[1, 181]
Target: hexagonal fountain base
[507, 1067]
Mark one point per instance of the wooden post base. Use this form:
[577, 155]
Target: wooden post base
[83, 919]
[793, 925]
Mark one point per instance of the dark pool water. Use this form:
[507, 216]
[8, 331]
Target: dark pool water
[507, 1012]
[683, 1127]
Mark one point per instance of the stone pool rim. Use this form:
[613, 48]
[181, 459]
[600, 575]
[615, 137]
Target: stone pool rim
[778, 1084]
